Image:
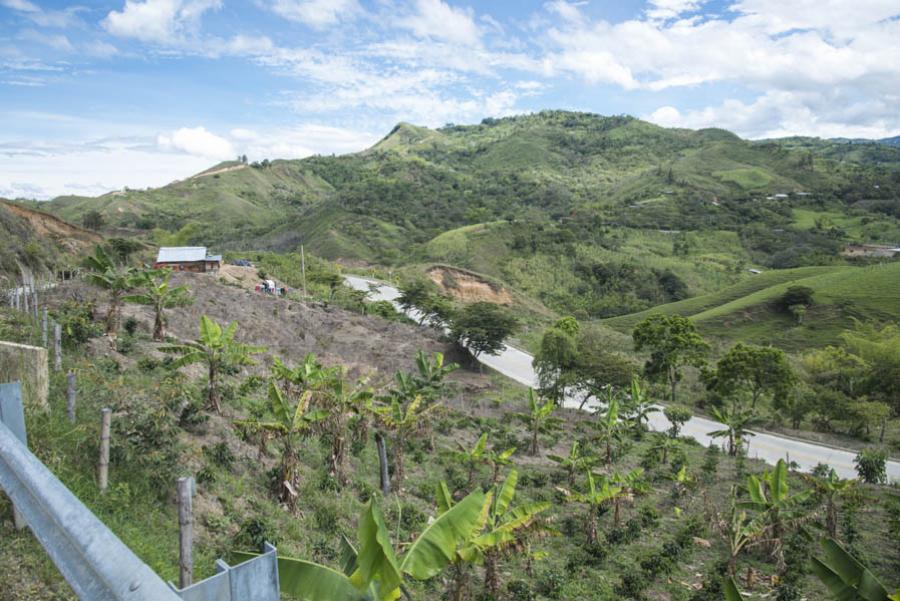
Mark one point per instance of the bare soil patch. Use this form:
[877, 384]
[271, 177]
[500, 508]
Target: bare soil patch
[468, 287]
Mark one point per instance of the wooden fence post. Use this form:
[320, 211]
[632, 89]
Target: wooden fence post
[44, 331]
[185, 532]
[57, 347]
[383, 465]
[103, 466]
[70, 395]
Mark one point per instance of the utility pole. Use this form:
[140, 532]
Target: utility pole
[303, 268]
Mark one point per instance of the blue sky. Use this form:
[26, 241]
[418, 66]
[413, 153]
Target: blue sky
[97, 95]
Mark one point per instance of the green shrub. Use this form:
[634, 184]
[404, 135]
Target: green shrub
[871, 465]
[253, 532]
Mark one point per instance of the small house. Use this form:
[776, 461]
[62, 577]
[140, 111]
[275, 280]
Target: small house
[187, 258]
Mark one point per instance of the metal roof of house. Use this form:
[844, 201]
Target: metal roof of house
[181, 254]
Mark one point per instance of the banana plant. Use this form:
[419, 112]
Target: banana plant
[155, 291]
[639, 407]
[740, 532]
[771, 498]
[736, 422]
[403, 421]
[505, 528]
[831, 487]
[376, 572]
[597, 494]
[631, 485]
[539, 419]
[732, 593]
[846, 577]
[341, 401]
[575, 462]
[432, 371]
[217, 348]
[308, 375]
[289, 426]
[472, 457]
[106, 273]
[608, 423]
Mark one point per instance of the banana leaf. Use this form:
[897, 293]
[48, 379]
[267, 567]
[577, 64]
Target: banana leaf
[845, 576]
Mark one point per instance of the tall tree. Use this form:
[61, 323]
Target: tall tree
[482, 328]
[105, 272]
[673, 342]
[155, 291]
[758, 369]
[218, 350]
[556, 360]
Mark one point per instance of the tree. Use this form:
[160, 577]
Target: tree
[771, 498]
[594, 497]
[556, 359]
[865, 414]
[104, 272]
[290, 424]
[93, 220]
[673, 342]
[539, 419]
[575, 462]
[759, 369]
[218, 350]
[482, 327]
[736, 422]
[156, 292]
[871, 465]
[506, 528]
[678, 415]
[796, 296]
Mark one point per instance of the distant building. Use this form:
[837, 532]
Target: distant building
[871, 250]
[187, 258]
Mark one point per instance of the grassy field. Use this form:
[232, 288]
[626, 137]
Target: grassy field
[746, 311]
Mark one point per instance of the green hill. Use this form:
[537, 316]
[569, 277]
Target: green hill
[590, 215]
[749, 312]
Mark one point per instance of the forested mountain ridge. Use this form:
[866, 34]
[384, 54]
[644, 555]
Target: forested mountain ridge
[588, 214]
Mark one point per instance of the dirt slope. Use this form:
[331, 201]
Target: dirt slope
[468, 287]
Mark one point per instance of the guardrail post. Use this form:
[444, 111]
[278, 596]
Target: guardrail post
[12, 413]
[70, 395]
[186, 532]
[57, 347]
[103, 466]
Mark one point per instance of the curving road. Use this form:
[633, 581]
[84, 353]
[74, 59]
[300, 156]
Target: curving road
[516, 365]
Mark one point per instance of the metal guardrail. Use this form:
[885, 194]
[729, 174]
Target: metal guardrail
[96, 564]
[254, 580]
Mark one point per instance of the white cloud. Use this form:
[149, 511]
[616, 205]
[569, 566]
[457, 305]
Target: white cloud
[55, 41]
[317, 14]
[438, 20]
[669, 9]
[779, 114]
[300, 141]
[21, 6]
[199, 142]
[160, 21]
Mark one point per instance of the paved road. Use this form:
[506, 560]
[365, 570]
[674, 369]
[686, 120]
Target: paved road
[516, 364]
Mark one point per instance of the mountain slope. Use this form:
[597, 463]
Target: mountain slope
[36, 241]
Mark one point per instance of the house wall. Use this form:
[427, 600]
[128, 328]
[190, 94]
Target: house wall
[194, 266]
